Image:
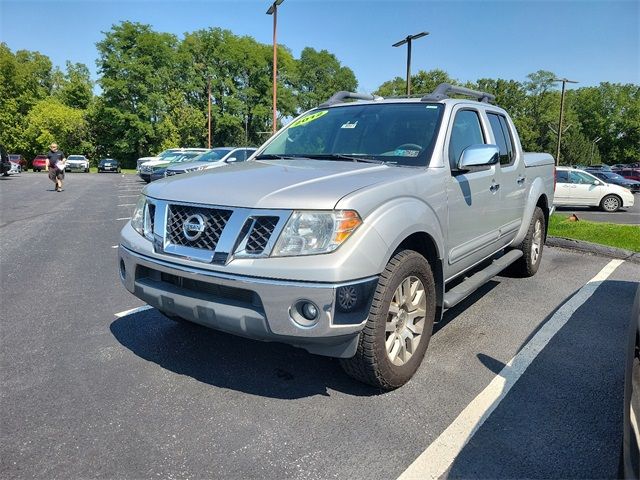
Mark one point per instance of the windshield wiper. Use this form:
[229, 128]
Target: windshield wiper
[340, 156]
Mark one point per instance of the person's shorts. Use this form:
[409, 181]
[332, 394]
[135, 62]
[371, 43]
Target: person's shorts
[54, 174]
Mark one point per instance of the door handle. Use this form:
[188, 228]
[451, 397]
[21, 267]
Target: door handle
[494, 188]
[520, 180]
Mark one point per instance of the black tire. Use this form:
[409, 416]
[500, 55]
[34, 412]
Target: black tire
[371, 363]
[527, 266]
[611, 203]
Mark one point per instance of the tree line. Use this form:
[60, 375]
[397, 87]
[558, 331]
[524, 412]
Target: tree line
[153, 94]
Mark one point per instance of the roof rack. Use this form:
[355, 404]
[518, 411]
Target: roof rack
[341, 96]
[443, 90]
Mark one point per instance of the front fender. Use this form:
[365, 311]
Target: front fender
[398, 219]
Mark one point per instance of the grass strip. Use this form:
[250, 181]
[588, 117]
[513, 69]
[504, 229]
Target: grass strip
[610, 234]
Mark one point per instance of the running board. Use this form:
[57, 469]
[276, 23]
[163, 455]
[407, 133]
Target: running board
[471, 284]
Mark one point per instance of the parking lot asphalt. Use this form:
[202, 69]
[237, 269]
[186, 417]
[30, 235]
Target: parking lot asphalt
[89, 391]
[629, 216]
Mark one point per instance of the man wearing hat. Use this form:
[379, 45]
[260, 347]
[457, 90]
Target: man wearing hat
[55, 162]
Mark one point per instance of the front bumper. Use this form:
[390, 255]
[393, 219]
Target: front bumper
[145, 176]
[257, 308]
[77, 168]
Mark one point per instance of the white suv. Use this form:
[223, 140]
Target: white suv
[577, 187]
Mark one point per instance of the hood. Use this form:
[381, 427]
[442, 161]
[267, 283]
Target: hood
[281, 184]
[77, 161]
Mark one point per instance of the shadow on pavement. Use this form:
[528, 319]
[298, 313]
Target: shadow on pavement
[563, 416]
[266, 369]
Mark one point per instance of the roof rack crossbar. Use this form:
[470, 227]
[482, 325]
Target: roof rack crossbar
[341, 96]
[443, 90]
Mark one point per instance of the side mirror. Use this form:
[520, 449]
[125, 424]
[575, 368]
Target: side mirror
[597, 182]
[231, 160]
[479, 155]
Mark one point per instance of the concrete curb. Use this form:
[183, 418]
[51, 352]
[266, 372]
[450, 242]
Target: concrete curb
[593, 248]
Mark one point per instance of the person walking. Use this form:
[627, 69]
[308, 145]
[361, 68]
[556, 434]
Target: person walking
[56, 164]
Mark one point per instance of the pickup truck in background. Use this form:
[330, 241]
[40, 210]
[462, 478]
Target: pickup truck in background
[350, 231]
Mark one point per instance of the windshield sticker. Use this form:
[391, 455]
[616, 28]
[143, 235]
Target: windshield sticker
[406, 153]
[308, 118]
[350, 125]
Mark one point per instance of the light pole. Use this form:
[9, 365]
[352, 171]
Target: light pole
[593, 148]
[408, 39]
[273, 10]
[564, 82]
[209, 108]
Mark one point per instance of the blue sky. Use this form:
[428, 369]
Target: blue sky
[590, 41]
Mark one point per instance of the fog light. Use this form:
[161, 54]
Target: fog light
[309, 311]
[305, 313]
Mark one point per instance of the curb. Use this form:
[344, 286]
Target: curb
[593, 248]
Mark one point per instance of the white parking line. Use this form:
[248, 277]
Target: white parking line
[126, 205]
[125, 196]
[133, 310]
[114, 246]
[124, 218]
[438, 457]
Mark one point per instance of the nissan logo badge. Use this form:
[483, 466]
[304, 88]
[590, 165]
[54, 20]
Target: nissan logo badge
[193, 227]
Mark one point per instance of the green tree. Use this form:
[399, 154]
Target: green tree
[320, 75]
[138, 68]
[75, 87]
[52, 121]
[422, 83]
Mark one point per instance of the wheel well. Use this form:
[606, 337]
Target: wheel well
[424, 244]
[612, 195]
[543, 203]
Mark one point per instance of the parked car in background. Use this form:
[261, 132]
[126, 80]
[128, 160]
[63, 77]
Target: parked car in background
[612, 177]
[78, 163]
[20, 160]
[163, 154]
[39, 163]
[631, 412]
[618, 166]
[599, 168]
[15, 167]
[579, 188]
[5, 163]
[216, 157]
[158, 171]
[630, 173]
[108, 165]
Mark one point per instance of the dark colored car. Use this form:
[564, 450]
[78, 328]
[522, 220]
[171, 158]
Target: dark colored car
[20, 160]
[598, 168]
[109, 165]
[39, 163]
[631, 415]
[612, 177]
[5, 164]
[630, 173]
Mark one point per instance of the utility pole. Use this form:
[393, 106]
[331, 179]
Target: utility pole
[593, 148]
[273, 10]
[408, 39]
[564, 82]
[209, 113]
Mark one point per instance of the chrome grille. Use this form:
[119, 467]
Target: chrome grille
[215, 220]
[260, 234]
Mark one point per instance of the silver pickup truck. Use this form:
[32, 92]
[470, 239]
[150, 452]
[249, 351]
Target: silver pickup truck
[350, 231]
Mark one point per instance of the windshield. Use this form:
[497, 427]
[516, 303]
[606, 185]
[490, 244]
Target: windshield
[183, 157]
[396, 133]
[169, 153]
[213, 156]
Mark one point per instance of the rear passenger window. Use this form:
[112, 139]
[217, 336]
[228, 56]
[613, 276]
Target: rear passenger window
[503, 138]
[466, 131]
[562, 176]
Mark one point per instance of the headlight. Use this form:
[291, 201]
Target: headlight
[309, 233]
[137, 219]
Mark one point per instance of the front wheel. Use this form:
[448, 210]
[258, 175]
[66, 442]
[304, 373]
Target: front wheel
[395, 338]
[532, 245]
[610, 203]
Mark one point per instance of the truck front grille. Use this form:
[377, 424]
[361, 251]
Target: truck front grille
[213, 220]
[260, 234]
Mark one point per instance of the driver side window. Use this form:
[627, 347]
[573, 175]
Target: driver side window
[466, 131]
